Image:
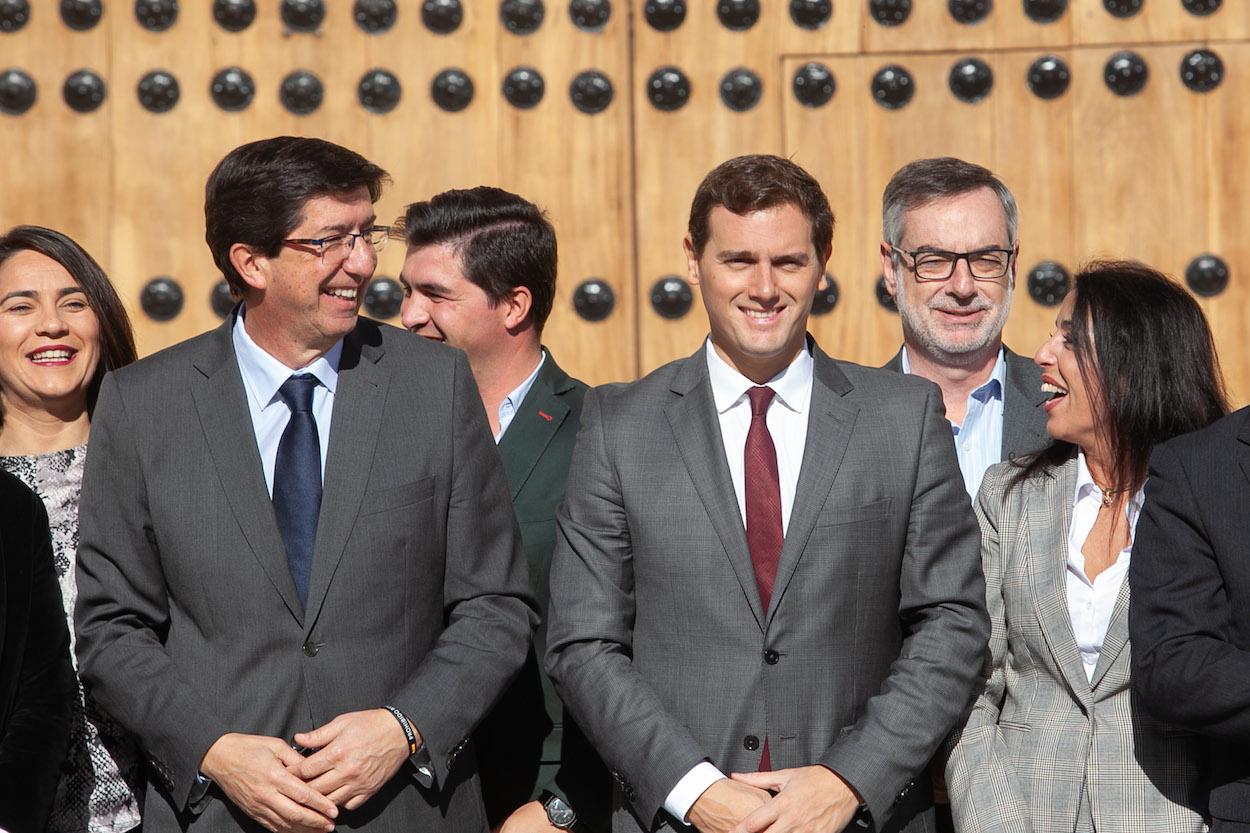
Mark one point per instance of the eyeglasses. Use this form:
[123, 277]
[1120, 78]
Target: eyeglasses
[983, 264]
[337, 247]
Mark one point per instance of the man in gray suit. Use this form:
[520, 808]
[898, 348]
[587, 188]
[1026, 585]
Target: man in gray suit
[949, 255]
[766, 562]
[299, 581]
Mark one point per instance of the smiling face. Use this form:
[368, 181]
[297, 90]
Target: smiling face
[758, 275]
[1070, 414]
[299, 304]
[957, 320]
[49, 336]
[441, 304]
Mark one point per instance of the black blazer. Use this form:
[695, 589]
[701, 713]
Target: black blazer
[1024, 421]
[1189, 611]
[37, 684]
[529, 743]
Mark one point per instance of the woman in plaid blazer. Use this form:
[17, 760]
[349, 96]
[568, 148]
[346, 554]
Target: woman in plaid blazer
[1056, 742]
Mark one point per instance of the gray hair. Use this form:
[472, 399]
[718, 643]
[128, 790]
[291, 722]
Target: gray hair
[923, 181]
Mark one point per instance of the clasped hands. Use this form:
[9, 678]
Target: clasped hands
[286, 792]
[810, 799]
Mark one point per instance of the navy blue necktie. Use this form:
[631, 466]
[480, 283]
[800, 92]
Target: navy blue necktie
[297, 480]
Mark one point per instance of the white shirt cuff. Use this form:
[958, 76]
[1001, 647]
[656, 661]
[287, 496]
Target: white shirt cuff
[692, 785]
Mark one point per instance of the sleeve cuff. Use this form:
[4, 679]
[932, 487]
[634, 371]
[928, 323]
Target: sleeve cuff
[198, 799]
[692, 785]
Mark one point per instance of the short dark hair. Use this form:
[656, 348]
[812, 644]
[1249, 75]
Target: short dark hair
[256, 194]
[1143, 341]
[503, 241]
[755, 183]
[923, 181]
[117, 337]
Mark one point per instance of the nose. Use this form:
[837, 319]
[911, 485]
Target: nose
[961, 283]
[763, 285]
[51, 322]
[414, 312]
[361, 260]
[1045, 355]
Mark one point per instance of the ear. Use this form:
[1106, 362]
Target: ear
[1015, 264]
[692, 261]
[887, 269]
[517, 304]
[252, 266]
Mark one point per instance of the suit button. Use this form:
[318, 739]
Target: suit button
[750, 743]
[310, 648]
[772, 657]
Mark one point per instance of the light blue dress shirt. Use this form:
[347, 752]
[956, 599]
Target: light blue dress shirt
[512, 402]
[262, 376]
[979, 441]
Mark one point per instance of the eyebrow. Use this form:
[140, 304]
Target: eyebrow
[745, 254]
[343, 228]
[31, 293]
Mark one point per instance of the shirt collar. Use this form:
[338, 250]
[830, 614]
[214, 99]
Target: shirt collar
[1086, 487]
[793, 385]
[992, 388]
[512, 402]
[264, 374]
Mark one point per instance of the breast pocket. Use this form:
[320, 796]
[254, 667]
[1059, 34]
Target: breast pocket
[397, 497]
[839, 516]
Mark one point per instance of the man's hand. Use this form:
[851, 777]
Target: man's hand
[252, 771]
[725, 804]
[530, 817]
[810, 799]
[356, 754]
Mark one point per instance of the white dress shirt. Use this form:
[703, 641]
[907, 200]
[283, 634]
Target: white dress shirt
[979, 440]
[262, 376]
[1091, 603]
[787, 423]
[512, 402]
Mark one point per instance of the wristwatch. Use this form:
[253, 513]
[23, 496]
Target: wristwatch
[559, 813]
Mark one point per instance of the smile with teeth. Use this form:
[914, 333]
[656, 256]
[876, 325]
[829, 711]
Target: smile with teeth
[58, 355]
[340, 292]
[1054, 390]
[762, 314]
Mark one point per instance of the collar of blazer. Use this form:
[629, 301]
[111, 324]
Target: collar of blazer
[1046, 507]
[1244, 436]
[537, 421]
[696, 430]
[355, 426]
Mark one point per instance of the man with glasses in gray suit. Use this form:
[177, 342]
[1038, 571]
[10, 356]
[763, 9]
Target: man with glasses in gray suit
[766, 566]
[949, 256]
[300, 582]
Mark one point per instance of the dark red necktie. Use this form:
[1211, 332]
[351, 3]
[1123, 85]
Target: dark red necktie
[762, 485]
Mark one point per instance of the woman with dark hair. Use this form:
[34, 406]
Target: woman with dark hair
[62, 327]
[1056, 742]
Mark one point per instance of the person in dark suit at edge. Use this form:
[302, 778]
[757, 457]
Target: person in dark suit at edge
[480, 275]
[299, 584]
[949, 256]
[37, 684]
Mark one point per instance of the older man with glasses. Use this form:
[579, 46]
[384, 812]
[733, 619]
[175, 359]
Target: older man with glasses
[949, 258]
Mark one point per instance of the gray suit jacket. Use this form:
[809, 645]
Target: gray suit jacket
[1024, 421]
[868, 653]
[1041, 732]
[188, 621]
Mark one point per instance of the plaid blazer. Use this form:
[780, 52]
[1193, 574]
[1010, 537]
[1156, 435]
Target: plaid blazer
[1040, 732]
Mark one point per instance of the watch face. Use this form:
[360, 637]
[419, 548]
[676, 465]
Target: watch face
[560, 814]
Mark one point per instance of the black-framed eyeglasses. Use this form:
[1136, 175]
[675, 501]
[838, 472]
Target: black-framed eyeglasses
[337, 247]
[936, 265]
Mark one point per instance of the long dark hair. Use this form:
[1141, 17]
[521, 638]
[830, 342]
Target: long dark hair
[117, 338]
[1146, 353]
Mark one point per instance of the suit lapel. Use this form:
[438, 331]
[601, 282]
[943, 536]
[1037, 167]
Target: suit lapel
[537, 420]
[1243, 456]
[1024, 421]
[354, 428]
[829, 425]
[696, 430]
[1049, 514]
[1117, 636]
[225, 418]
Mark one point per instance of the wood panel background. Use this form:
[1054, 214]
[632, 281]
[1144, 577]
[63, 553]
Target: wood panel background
[1159, 176]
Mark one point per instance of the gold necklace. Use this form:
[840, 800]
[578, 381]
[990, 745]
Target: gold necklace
[1109, 495]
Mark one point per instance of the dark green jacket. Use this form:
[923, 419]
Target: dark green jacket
[528, 743]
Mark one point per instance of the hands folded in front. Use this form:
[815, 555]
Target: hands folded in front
[810, 799]
[356, 754]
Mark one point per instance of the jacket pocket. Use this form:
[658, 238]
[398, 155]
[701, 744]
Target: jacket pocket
[397, 497]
